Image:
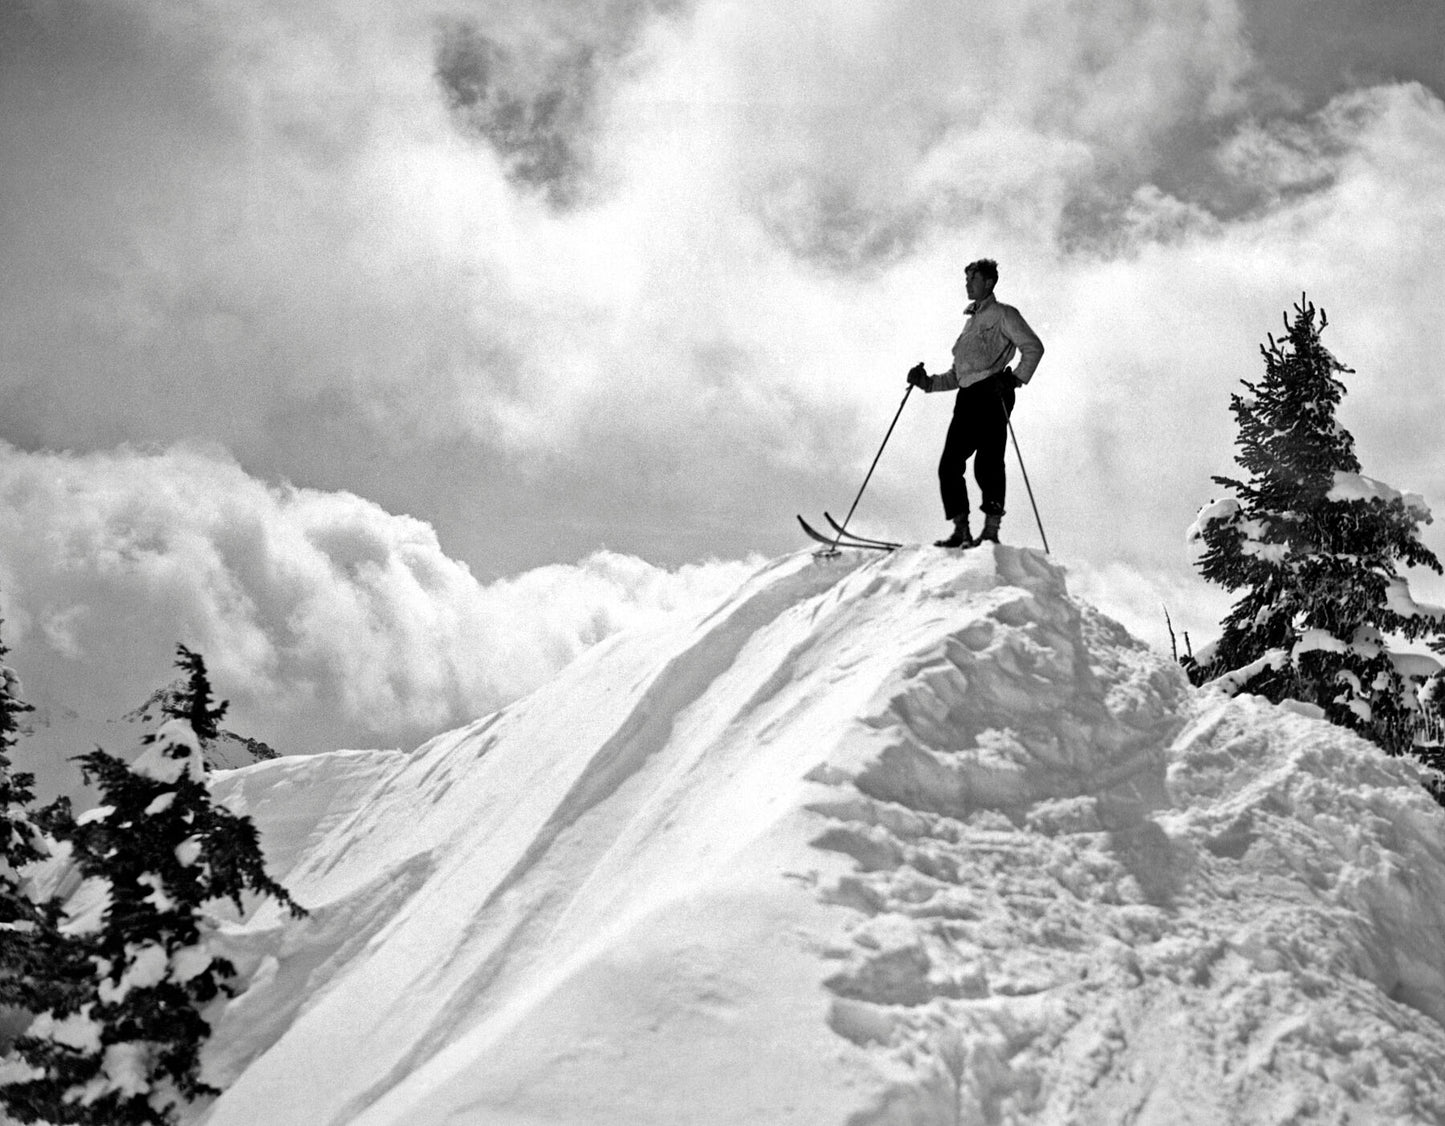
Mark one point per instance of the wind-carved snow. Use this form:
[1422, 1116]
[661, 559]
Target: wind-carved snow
[914, 839]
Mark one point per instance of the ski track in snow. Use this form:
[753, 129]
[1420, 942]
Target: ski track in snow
[914, 840]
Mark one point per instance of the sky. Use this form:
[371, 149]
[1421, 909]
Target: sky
[391, 352]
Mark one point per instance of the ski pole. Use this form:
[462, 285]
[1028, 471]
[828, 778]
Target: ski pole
[843, 527]
[1018, 454]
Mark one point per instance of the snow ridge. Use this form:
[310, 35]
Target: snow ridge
[915, 839]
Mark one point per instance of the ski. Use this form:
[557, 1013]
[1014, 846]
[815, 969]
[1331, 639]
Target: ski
[836, 542]
[889, 544]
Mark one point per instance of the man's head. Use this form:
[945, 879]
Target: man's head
[980, 277]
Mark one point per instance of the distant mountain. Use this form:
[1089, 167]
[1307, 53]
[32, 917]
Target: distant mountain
[881, 841]
[228, 751]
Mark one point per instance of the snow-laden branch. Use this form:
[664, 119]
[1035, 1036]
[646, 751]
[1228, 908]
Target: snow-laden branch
[1356, 486]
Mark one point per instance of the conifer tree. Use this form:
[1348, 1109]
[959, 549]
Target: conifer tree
[194, 705]
[40, 968]
[129, 1052]
[17, 832]
[18, 916]
[25, 933]
[1315, 547]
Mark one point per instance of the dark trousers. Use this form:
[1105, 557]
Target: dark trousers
[979, 430]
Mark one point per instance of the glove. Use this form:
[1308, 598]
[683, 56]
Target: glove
[918, 376]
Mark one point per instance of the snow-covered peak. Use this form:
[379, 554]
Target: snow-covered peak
[879, 840]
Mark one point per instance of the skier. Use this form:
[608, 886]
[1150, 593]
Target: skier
[992, 335]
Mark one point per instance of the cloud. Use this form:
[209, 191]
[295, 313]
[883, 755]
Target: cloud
[321, 234]
[324, 619]
[1149, 604]
[534, 131]
[873, 134]
[530, 82]
[335, 283]
[553, 277]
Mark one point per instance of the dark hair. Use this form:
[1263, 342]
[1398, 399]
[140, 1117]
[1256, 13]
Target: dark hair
[985, 266]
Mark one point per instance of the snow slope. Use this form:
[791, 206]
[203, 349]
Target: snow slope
[908, 839]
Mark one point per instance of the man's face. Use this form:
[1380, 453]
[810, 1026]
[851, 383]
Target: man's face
[977, 285]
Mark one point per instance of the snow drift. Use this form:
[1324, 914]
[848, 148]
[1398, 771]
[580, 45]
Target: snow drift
[914, 839]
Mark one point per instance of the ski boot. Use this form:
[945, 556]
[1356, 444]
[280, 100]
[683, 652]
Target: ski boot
[961, 537]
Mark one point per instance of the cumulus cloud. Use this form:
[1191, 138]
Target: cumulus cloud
[335, 277]
[647, 274]
[324, 619]
[883, 131]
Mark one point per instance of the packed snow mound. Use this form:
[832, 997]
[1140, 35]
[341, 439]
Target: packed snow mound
[881, 840]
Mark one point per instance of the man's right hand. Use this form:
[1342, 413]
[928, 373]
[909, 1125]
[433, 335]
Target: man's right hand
[918, 376]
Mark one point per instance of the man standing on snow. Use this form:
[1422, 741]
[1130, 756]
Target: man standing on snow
[980, 373]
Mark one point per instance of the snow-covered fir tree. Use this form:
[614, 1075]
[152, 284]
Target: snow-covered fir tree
[40, 968]
[1315, 548]
[27, 929]
[17, 844]
[17, 831]
[161, 857]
